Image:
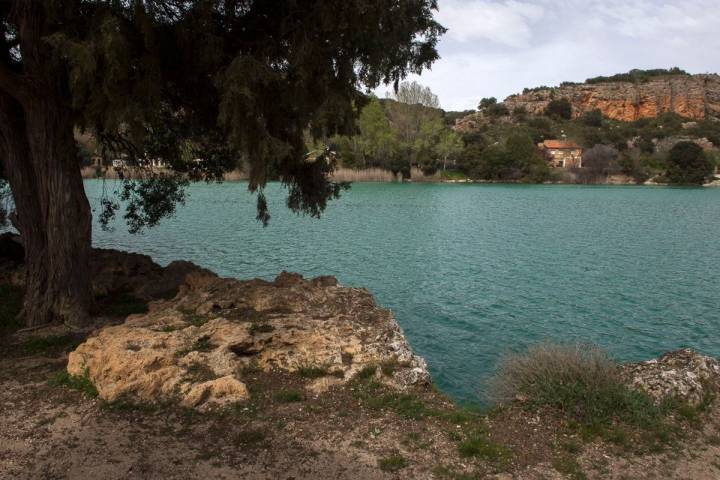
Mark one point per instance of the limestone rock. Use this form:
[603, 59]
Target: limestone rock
[691, 96]
[683, 373]
[194, 348]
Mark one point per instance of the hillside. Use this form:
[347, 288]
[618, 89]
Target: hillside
[694, 97]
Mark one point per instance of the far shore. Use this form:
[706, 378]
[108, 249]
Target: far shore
[378, 175]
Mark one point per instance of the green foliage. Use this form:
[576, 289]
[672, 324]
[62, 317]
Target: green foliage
[580, 381]
[593, 118]
[260, 328]
[377, 141]
[289, 396]
[688, 164]
[559, 108]
[637, 75]
[393, 463]
[250, 437]
[487, 103]
[568, 465]
[81, 383]
[491, 107]
[587, 388]
[479, 445]
[202, 344]
[367, 372]
[312, 372]
[48, 344]
[208, 88]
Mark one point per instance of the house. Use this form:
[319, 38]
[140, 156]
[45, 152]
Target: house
[562, 153]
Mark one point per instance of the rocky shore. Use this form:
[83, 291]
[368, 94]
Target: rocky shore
[295, 378]
[194, 348]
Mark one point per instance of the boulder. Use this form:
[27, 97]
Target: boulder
[194, 348]
[683, 374]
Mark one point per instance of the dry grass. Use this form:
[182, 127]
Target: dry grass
[364, 175]
[235, 176]
[546, 364]
[581, 381]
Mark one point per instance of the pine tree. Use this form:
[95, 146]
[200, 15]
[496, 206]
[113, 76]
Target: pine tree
[180, 80]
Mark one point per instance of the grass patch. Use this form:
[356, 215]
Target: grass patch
[571, 446]
[260, 328]
[415, 441]
[201, 344]
[580, 381]
[388, 367]
[11, 299]
[443, 471]
[194, 319]
[377, 397]
[198, 372]
[312, 372]
[81, 383]
[367, 372]
[247, 438]
[393, 463]
[48, 344]
[453, 175]
[289, 396]
[586, 386]
[567, 465]
[479, 445]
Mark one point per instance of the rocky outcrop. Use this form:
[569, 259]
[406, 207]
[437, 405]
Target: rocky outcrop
[691, 96]
[195, 348]
[683, 374]
[111, 271]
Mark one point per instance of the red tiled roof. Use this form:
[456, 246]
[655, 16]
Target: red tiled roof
[560, 144]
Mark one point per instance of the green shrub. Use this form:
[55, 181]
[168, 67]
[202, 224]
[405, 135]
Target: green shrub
[479, 445]
[688, 164]
[579, 380]
[393, 463]
[288, 396]
[560, 108]
[312, 372]
[366, 372]
[49, 344]
[81, 383]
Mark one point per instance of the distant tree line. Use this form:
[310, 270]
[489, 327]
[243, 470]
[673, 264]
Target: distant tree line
[408, 129]
[637, 75]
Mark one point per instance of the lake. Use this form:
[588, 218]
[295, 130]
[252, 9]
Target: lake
[474, 271]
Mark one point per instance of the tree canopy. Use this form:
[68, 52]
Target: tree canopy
[688, 164]
[202, 85]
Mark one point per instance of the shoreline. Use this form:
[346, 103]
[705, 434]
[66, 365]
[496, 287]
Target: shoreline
[302, 420]
[89, 173]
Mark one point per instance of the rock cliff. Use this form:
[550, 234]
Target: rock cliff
[691, 96]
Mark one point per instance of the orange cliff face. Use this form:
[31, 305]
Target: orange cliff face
[691, 96]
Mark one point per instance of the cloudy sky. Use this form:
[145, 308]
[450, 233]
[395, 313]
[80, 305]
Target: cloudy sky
[498, 47]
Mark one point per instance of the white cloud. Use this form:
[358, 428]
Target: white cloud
[495, 48]
[507, 23]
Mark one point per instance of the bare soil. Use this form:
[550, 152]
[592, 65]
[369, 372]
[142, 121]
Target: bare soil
[356, 431]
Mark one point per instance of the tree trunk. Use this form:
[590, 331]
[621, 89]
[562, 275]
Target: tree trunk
[53, 213]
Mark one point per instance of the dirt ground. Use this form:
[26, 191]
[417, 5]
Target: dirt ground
[357, 431]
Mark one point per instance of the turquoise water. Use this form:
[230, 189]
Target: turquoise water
[474, 271]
